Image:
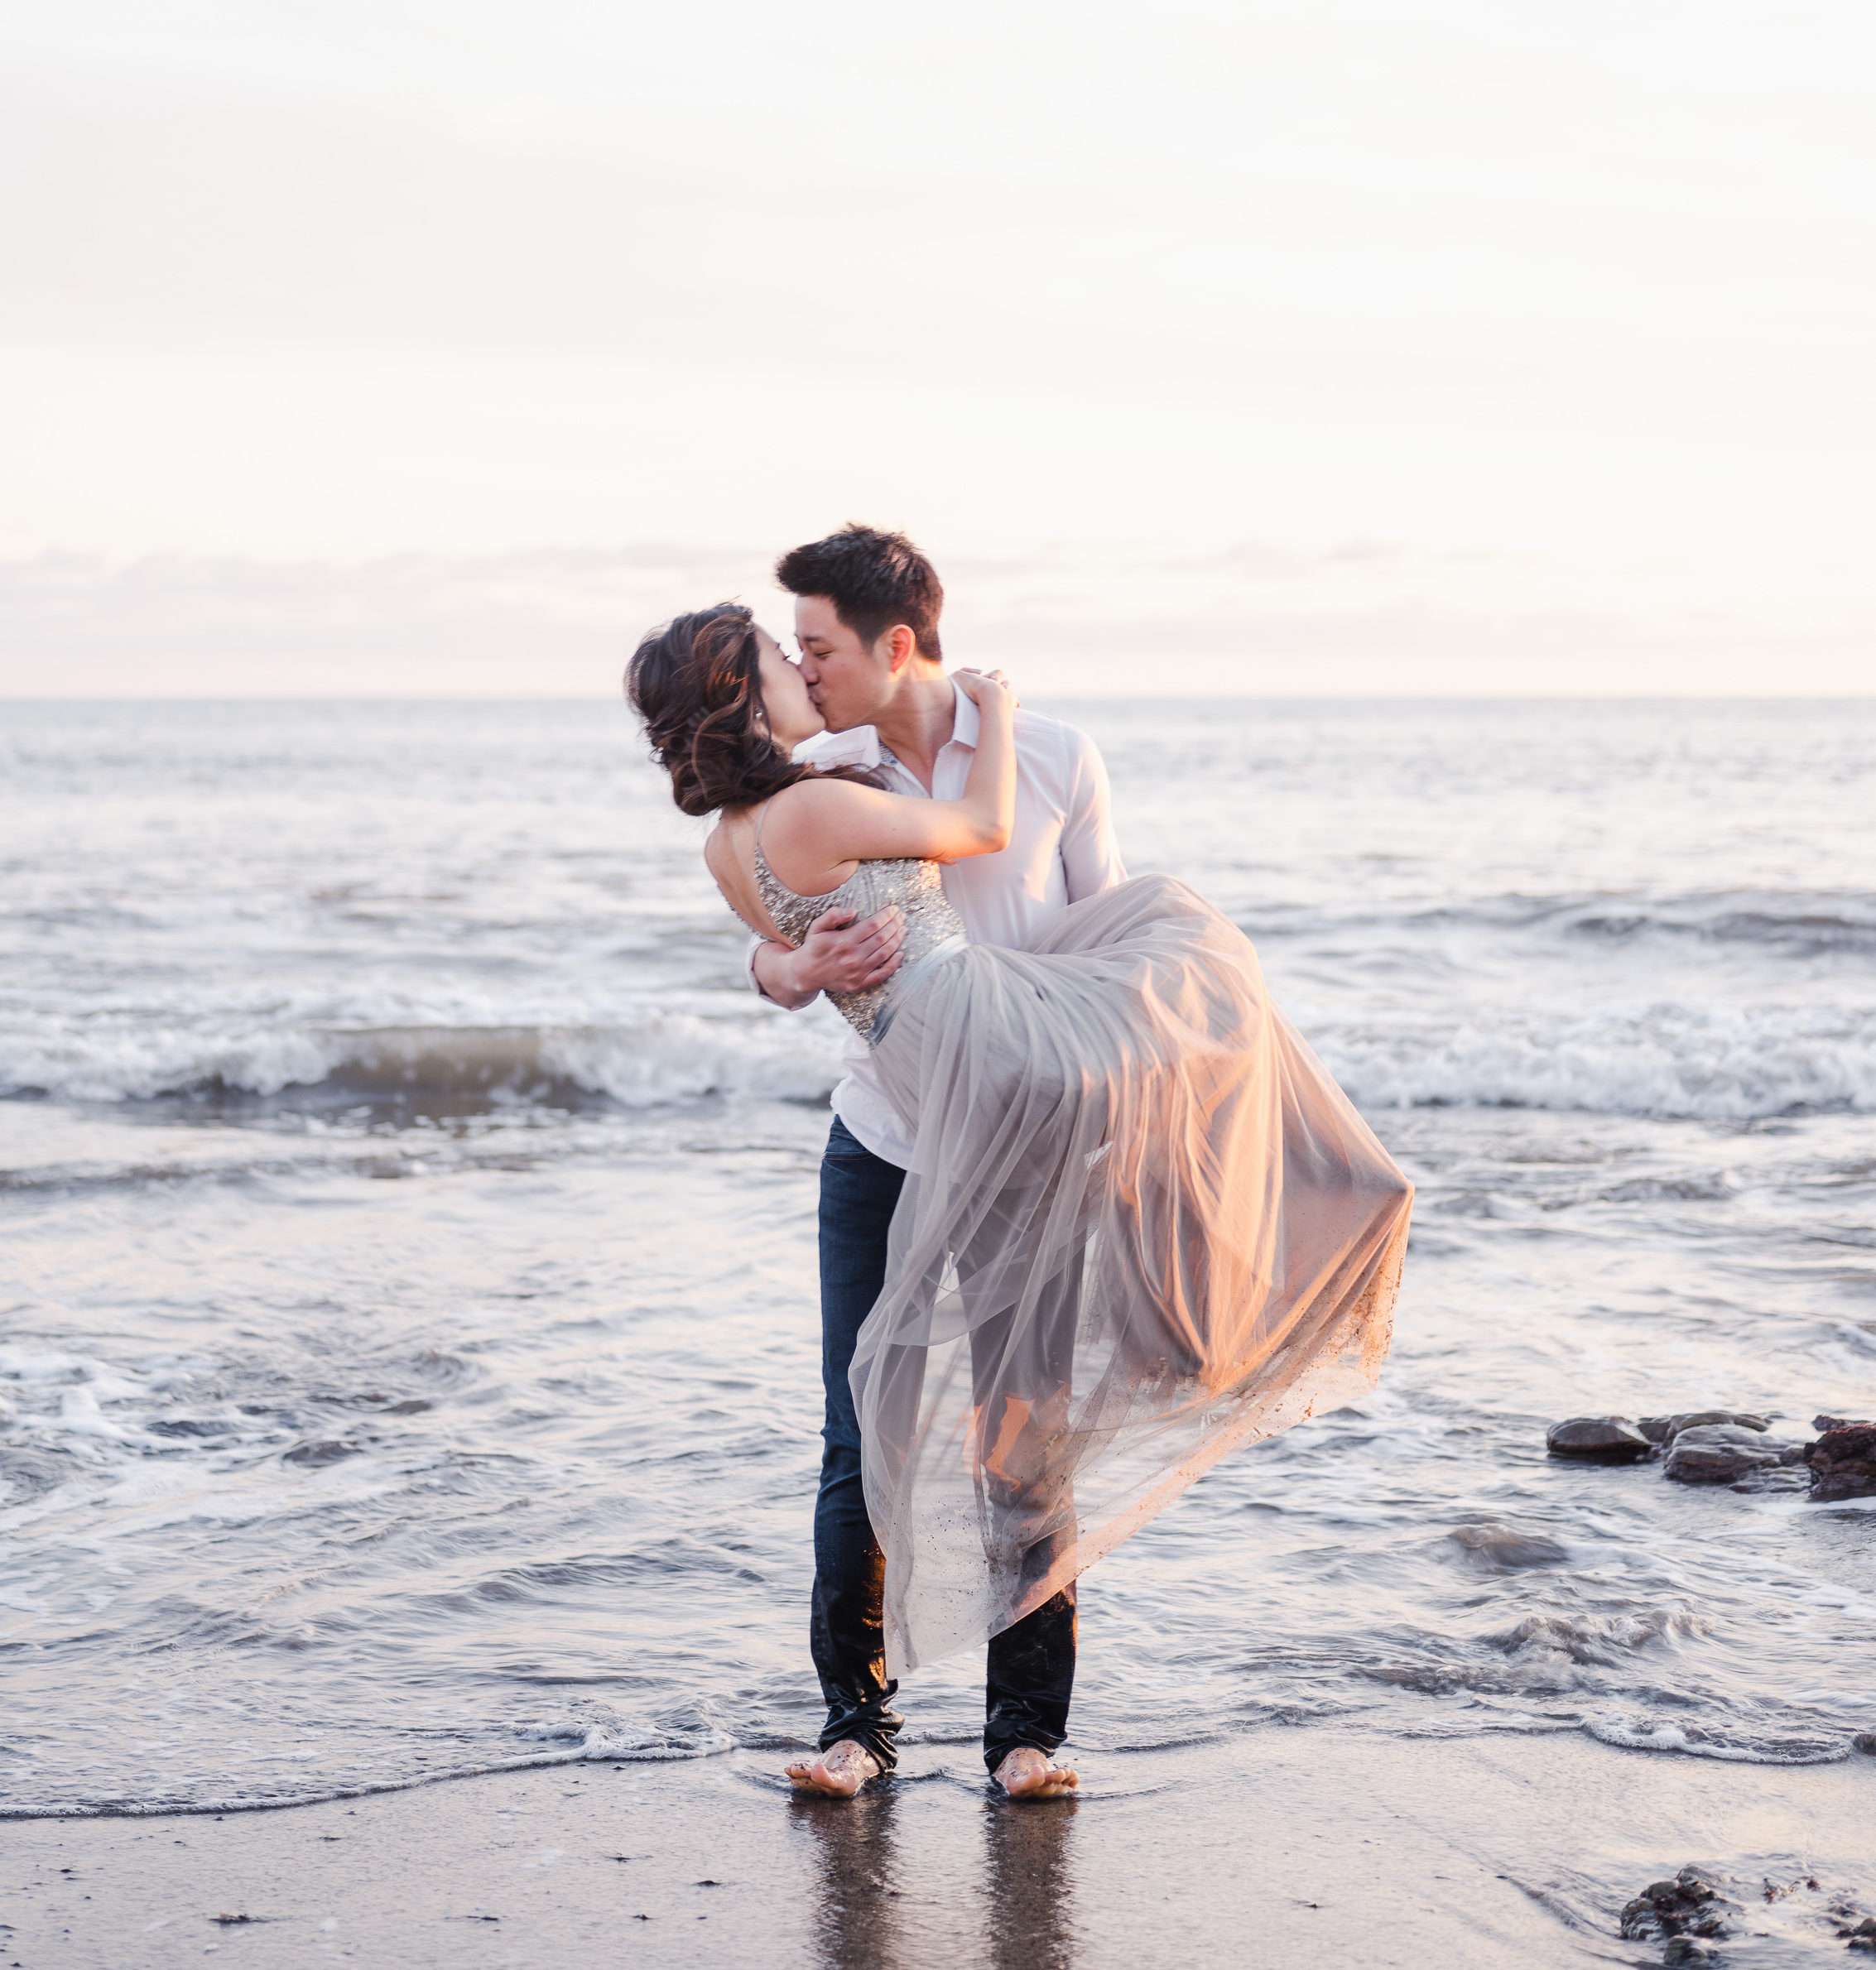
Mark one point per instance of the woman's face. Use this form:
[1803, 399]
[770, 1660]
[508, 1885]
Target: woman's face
[791, 711]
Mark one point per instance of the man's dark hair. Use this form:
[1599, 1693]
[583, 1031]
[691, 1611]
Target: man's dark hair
[874, 580]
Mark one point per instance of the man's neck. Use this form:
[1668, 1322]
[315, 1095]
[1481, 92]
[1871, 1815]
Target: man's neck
[918, 721]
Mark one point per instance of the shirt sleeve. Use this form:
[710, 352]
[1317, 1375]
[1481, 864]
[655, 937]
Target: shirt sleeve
[756, 943]
[1090, 853]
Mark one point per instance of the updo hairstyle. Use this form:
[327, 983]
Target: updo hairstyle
[697, 685]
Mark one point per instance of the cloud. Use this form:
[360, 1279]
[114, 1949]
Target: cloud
[1141, 620]
[553, 621]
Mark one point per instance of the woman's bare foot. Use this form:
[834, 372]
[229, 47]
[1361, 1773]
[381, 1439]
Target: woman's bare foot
[839, 1771]
[1027, 1773]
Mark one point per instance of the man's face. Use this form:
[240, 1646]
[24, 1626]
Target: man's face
[850, 682]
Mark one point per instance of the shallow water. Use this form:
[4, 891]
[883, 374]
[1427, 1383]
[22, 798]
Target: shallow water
[408, 1360]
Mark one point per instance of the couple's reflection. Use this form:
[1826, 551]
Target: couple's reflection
[897, 1897]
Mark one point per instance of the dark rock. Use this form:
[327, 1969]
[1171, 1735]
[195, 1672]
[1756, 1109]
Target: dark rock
[1867, 1942]
[1718, 1453]
[1597, 1439]
[1794, 1453]
[1687, 1906]
[319, 1454]
[1684, 1949]
[1639, 1921]
[1663, 1430]
[1867, 1927]
[1865, 1741]
[1821, 1423]
[1504, 1549]
[1842, 1461]
[1773, 1477]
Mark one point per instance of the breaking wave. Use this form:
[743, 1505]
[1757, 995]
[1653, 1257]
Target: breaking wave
[1713, 1063]
[1704, 1063]
[654, 1058]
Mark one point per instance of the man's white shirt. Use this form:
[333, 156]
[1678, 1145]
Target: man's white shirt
[1062, 848]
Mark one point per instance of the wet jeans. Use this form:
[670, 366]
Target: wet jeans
[1030, 1671]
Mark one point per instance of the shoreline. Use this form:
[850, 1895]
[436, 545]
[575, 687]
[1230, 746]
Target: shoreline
[755, 1760]
[1325, 1844]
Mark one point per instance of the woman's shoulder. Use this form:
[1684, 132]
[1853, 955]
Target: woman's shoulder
[811, 799]
[720, 851]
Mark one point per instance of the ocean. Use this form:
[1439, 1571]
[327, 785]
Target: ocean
[408, 1334]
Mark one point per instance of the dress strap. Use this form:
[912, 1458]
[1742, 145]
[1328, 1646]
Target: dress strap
[762, 815]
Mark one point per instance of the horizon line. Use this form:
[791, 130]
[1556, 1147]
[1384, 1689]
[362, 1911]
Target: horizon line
[1097, 696]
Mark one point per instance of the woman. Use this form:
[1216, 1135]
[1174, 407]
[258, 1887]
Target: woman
[1142, 1224]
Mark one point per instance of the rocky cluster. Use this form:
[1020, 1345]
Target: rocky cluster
[1687, 1907]
[1690, 1916]
[1724, 1446]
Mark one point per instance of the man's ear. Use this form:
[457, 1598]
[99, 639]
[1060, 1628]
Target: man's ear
[901, 647]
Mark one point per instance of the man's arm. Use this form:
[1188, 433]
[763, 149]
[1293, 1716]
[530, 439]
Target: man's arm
[1091, 855]
[838, 955]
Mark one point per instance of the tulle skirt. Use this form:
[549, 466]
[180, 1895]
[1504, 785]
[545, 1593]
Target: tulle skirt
[1143, 1226]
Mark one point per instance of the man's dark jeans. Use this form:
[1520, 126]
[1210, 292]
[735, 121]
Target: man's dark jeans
[1031, 1668]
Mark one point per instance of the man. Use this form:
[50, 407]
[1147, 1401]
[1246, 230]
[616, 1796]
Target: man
[866, 616]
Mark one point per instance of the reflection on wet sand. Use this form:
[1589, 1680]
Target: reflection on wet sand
[1029, 1884]
[941, 1898]
[859, 1923]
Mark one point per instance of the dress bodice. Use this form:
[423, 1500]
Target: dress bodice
[934, 929]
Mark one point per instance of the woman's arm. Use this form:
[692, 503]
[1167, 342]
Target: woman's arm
[817, 830]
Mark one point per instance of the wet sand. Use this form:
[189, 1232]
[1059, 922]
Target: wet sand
[1292, 1848]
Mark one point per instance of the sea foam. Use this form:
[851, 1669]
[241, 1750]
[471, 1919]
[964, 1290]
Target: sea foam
[655, 1058]
[1711, 1062]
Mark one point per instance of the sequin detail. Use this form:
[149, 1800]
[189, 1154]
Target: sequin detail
[933, 928]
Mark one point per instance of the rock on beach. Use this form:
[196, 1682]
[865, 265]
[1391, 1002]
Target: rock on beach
[1718, 1453]
[1663, 1430]
[1689, 1904]
[1843, 1459]
[1597, 1439]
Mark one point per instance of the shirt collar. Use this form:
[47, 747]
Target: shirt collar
[858, 745]
[969, 722]
[861, 744]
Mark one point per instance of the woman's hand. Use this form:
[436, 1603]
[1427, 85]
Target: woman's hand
[987, 687]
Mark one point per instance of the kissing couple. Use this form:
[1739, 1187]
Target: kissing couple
[1092, 1213]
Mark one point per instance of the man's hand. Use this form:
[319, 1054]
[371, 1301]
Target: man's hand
[839, 955]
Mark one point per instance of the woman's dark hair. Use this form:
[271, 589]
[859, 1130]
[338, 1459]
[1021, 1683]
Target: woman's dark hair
[697, 685]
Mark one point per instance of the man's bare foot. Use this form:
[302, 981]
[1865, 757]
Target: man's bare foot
[839, 1771]
[1027, 1773]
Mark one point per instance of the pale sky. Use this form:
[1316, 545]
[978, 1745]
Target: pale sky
[1332, 347]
